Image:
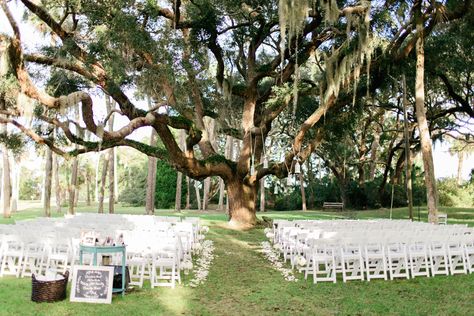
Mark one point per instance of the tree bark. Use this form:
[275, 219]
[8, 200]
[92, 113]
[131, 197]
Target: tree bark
[399, 167]
[460, 155]
[188, 193]
[72, 186]
[262, 195]
[57, 185]
[105, 165]
[374, 148]
[76, 194]
[179, 178]
[303, 194]
[309, 167]
[425, 138]
[111, 181]
[373, 153]
[6, 183]
[151, 176]
[15, 185]
[242, 204]
[205, 194]
[96, 188]
[179, 186]
[408, 158]
[111, 161]
[48, 175]
[220, 206]
[88, 187]
[198, 195]
[409, 184]
[116, 190]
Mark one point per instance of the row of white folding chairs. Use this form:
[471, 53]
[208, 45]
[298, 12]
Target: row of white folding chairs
[21, 257]
[161, 264]
[325, 258]
[279, 234]
[291, 238]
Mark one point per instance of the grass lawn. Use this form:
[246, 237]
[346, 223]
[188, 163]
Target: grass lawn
[241, 282]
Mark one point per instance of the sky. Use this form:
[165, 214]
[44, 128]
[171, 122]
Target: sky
[445, 164]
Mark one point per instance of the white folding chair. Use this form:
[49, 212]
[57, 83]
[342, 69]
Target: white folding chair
[397, 260]
[137, 260]
[352, 263]
[323, 262]
[58, 253]
[438, 258]
[375, 261]
[34, 257]
[12, 256]
[418, 255]
[165, 270]
[469, 252]
[456, 257]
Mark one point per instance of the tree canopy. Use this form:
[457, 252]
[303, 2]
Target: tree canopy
[251, 70]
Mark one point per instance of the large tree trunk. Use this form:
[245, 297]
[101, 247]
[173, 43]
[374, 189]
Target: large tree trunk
[57, 185]
[48, 175]
[242, 204]
[425, 138]
[72, 186]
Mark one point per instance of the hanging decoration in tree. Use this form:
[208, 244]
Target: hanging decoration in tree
[340, 70]
[297, 167]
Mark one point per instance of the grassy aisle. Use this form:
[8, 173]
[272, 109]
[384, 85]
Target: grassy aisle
[242, 282]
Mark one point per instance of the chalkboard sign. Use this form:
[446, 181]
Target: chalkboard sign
[92, 284]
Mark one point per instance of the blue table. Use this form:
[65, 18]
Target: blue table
[106, 249]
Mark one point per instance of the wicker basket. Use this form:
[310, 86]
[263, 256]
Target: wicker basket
[49, 291]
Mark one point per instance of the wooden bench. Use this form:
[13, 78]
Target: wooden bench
[334, 205]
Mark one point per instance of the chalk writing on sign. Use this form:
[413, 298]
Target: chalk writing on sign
[92, 284]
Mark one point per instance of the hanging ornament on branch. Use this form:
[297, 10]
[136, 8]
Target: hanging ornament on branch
[297, 169]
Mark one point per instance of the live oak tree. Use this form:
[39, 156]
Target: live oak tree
[246, 65]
